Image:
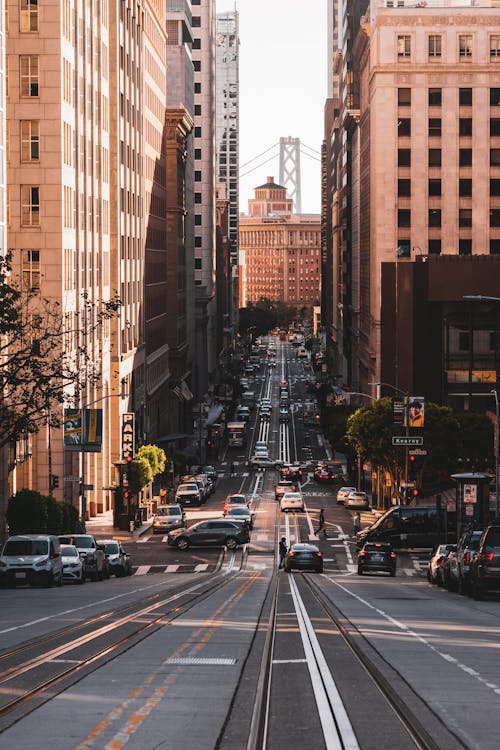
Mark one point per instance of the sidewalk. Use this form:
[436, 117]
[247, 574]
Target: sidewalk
[102, 528]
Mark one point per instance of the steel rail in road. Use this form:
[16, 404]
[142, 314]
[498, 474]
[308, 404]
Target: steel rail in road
[128, 628]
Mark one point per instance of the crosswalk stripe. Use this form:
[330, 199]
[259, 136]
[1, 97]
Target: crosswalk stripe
[172, 568]
[142, 570]
[201, 567]
[143, 539]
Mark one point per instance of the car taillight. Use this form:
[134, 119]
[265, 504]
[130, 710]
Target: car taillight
[291, 554]
[393, 554]
[319, 554]
[467, 558]
[486, 557]
[361, 553]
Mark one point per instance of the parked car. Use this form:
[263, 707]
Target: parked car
[213, 532]
[96, 566]
[435, 565]
[303, 556]
[243, 413]
[343, 494]
[376, 557]
[357, 500]
[457, 564]
[292, 501]
[168, 517]
[32, 559]
[485, 565]
[284, 485]
[284, 414]
[119, 561]
[407, 528]
[240, 513]
[188, 494]
[73, 569]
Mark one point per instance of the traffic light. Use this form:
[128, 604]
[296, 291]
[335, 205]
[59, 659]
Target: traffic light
[125, 495]
[412, 458]
[415, 492]
[209, 443]
[55, 481]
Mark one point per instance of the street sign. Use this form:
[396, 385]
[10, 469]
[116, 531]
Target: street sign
[71, 479]
[407, 440]
[417, 452]
[88, 487]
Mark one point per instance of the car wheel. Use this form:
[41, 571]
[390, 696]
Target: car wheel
[49, 581]
[59, 581]
[182, 543]
[231, 543]
[82, 579]
[106, 572]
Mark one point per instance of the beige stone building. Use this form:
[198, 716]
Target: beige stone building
[86, 179]
[279, 250]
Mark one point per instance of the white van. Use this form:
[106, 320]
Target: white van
[31, 558]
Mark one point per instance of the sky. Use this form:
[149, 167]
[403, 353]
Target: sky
[283, 83]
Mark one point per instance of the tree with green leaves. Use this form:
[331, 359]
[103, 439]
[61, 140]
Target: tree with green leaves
[154, 456]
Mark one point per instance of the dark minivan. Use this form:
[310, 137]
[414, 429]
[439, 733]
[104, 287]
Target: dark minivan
[484, 573]
[406, 528]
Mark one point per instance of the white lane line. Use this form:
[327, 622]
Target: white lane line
[338, 731]
[404, 628]
[142, 570]
[309, 523]
[289, 661]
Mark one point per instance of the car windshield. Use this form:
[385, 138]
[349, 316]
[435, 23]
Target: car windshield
[112, 548]
[237, 500]
[188, 488]
[26, 547]
[238, 511]
[83, 542]
[69, 551]
[169, 511]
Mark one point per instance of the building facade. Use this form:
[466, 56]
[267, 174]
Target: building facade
[227, 145]
[280, 250]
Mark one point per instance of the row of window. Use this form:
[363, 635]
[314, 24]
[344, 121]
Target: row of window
[434, 247]
[434, 217]
[434, 188]
[434, 97]
[434, 127]
[435, 46]
[434, 157]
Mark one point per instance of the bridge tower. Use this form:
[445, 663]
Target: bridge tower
[290, 170]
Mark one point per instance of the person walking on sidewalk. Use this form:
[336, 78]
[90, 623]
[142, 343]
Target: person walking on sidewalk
[231, 470]
[283, 549]
[356, 523]
[321, 526]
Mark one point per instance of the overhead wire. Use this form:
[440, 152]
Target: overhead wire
[258, 155]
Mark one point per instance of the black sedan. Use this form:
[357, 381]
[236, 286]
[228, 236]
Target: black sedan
[303, 557]
[377, 557]
[291, 473]
[213, 532]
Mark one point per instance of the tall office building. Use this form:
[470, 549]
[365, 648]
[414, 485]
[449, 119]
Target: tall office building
[204, 190]
[227, 144]
[419, 127]
[87, 92]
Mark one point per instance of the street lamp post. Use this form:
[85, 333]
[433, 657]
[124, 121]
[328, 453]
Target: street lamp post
[497, 489]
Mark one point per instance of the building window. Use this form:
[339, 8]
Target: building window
[495, 247]
[434, 187]
[28, 67]
[197, 66]
[404, 157]
[494, 97]
[403, 249]
[465, 218]
[197, 264]
[434, 157]
[434, 247]
[196, 22]
[494, 126]
[465, 188]
[404, 97]
[197, 132]
[196, 43]
[465, 126]
[197, 220]
[30, 140]
[435, 45]
[29, 15]
[494, 47]
[31, 269]
[404, 188]
[30, 206]
[404, 46]
[465, 46]
[494, 217]
[197, 110]
[465, 247]
[197, 197]
[465, 157]
[465, 97]
[197, 88]
[404, 127]
[435, 97]
[434, 126]
[198, 241]
[404, 217]
[197, 175]
[434, 217]
[494, 187]
[197, 153]
[494, 157]
[463, 341]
